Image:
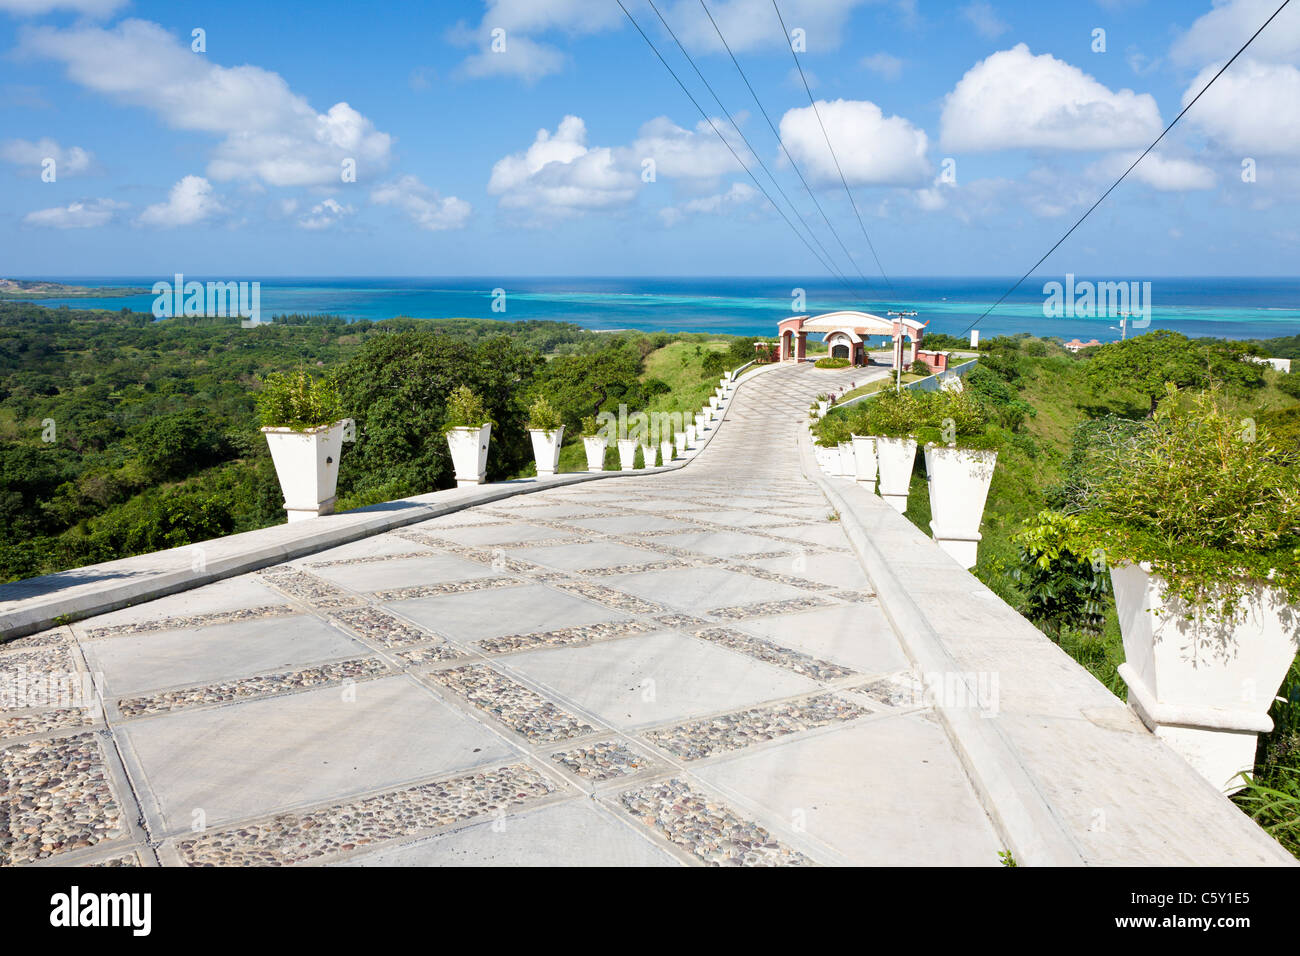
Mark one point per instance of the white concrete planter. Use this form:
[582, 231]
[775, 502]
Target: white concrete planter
[691, 437]
[701, 421]
[469, 451]
[546, 449]
[665, 452]
[679, 439]
[595, 446]
[1203, 687]
[307, 464]
[848, 466]
[864, 460]
[895, 457]
[825, 458]
[959, 485]
[647, 456]
[627, 454]
[822, 409]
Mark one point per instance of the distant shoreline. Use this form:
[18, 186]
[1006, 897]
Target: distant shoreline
[25, 289]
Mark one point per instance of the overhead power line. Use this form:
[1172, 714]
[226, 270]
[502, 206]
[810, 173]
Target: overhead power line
[848, 192]
[745, 139]
[708, 119]
[776, 133]
[1123, 175]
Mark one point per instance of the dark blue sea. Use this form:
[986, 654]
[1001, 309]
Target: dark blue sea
[1225, 307]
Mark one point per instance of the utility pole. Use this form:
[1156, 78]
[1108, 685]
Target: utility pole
[898, 348]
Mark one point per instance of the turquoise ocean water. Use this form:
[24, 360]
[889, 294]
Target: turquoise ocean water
[1226, 307]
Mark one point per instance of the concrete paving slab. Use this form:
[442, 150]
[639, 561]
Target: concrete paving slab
[565, 834]
[721, 544]
[388, 575]
[656, 678]
[474, 615]
[856, 636]
[886, 791]
[131, 664]
[577, 557]
[695, 589]
[488, 536]
[232, 594]
[261, 756]
[830, 569]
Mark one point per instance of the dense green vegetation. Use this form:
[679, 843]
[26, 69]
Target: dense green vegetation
[121, 435]
[1051, 413]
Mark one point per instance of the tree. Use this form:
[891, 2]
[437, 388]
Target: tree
[1145, 363]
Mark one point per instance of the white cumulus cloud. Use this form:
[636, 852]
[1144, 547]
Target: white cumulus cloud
[872, 149]
[90, 8]
[1218, 34]
[738, 195]
[1013, 99]
[422, 205]
[325, 214]
[1164, 173]
[1253, 108]
[68, 162]
[85, 214]
[190, 201]
[560, 174]
[268, 132]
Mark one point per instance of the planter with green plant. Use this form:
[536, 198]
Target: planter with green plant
[894, 417]
[302, 421]
[469, 432]
[959, 468]
[679, 442]
[1197, 516]
[594, 442]
[546, 429]
[823, 404]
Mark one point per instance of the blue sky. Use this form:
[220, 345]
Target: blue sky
[534, 159]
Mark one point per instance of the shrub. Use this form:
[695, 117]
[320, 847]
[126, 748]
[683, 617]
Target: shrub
[1211, 504]
[542, 415]
[589, 427]
[464, 409]
[898, 413]
[1289, 384]
[1061, 588]
[297, 401]
[921, 368]
[832, 363]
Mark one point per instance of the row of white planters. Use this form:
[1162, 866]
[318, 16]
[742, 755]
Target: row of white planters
[1204, 688]
[306, 462]
[958, 480]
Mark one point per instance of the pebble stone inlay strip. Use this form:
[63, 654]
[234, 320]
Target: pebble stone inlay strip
[309, 588]
[602, 761]
[682, 621]
[290, 838]
[706, 828]
[23, 725]
[743, 611]
[193, 621]
[775, 576]
[565, 636]
[697, 739]
[56, 798]
[263, 686]
[448, 587]
[611, 597]
[123, 859]
[526, 712]
[42, 639]
[431, 653]
[770, 653]
[367, 559]
[385, 629]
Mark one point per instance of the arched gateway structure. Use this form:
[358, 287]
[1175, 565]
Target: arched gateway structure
[846, 335]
